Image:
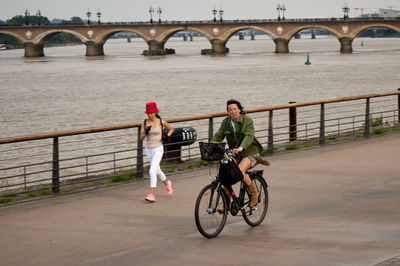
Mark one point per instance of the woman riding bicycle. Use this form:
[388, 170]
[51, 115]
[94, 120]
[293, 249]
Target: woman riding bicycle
[238, 130]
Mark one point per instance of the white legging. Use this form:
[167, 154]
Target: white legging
[155, 156]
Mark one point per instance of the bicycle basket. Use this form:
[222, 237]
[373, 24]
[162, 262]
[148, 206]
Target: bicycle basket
[212, 151]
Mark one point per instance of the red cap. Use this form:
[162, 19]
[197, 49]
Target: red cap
[151, 108]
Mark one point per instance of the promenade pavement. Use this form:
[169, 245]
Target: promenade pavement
[333, 205]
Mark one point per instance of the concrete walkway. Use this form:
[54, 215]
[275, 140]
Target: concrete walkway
[335, 205]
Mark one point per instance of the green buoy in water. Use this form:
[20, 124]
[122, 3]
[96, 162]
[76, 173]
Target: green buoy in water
[308, 60]
[362, 43]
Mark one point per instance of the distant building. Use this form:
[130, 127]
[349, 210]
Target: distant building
[383, 13]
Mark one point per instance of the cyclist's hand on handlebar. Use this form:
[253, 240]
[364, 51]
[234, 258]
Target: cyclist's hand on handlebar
[237, 150]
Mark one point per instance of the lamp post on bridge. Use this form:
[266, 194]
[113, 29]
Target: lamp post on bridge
[221, 12]
[159, 11]
[281, 8]
[278, 8]
[26, 17]
[214, 12]
[88, 14]
[346, 10]
[98, 16]
[38, 14]
[151, 11]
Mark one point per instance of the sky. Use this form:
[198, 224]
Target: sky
[138, 10]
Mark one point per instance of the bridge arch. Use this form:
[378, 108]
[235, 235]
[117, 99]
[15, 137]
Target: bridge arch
[104, 36]
[228, 34]
[219, 45]
[156, 46]
[377, 25]
[35, 47]
[16, 36]
[293, 33]
[42, 37]
[345, 42]
[167, 34]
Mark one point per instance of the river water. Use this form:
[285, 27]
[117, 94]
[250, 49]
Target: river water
[66, 90]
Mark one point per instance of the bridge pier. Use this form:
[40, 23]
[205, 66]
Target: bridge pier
[33, 50]
[219, 47]
[157, 48]
[346, 45]
[94, 49]
[281, 46]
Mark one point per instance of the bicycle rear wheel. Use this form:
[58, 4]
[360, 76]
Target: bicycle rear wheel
[209, 220]
[254, 216]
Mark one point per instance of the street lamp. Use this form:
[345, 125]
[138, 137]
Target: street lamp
[38, 14]
[98, 16]
[346, 10]
[283, 8]
[88, 14]
[159, 11]
[214, 11]
[26, 17]
[151, 11]
[278, 7]
[221, 12]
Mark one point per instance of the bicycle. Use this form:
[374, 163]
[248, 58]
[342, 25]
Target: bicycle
[211, 208]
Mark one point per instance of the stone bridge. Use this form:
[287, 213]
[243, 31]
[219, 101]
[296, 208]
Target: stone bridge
[218, 33]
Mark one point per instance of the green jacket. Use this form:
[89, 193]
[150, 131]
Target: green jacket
[244, 136]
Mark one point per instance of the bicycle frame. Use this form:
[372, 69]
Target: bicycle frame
[238, 203]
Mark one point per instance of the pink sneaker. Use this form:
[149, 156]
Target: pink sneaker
[169, 187]
[150, 197]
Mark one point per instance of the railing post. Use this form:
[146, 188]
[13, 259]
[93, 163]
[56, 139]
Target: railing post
[322, 125]
[114, 164]
[139, 156]
[292, 123]
[367, 112]
[55, 187]
[87, 167]
[25, 178]
[210, 132]
[398, 107]
[210, 129]
[270, 133]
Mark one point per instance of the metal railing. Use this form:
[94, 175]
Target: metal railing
[57, 161]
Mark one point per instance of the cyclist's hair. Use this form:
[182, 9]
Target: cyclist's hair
[233, 101]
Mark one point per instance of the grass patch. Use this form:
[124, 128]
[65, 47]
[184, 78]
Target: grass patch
[292, 147]
[307, 145]
[201, 163]
[264, 153]
[5, 200]
[377, 122]
[45, 192]
[172, 168]
[123, 178]
[30, 194]
[378, 131]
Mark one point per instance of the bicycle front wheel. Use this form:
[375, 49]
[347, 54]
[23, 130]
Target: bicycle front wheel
[211, 211]
[255, 215]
